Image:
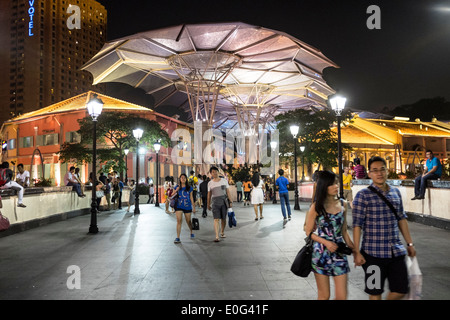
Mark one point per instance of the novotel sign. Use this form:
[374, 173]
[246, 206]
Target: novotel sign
[31, 14]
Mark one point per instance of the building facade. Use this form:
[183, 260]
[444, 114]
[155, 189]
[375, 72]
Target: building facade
[35, 138]
[43, 45]
[402, 142]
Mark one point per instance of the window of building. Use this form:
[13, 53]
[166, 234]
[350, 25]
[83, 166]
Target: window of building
[47, 139]
[11, 144]
[73, 137]
[26, 142]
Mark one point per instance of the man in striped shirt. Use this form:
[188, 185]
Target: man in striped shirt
[382, 252]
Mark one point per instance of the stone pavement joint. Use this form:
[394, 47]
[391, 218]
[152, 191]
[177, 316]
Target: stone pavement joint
[134, 258]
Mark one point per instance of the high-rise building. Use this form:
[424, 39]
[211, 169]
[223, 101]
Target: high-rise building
[43, 44]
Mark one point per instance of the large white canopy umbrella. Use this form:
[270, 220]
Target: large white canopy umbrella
[224, 73]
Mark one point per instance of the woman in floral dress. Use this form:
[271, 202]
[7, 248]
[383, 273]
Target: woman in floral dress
[328, 215]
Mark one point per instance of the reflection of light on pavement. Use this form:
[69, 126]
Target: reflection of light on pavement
[442, 9]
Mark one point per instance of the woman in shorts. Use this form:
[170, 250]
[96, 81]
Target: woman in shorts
[184, 205]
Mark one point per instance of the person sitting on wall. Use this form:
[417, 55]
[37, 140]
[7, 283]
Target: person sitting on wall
[23, 177]
[432, 171]
[9, 183]
[69, 180]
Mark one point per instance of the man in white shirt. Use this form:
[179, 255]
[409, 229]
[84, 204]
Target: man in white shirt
[10, 184]
[218, 201]
[23, 177]
[69, 180]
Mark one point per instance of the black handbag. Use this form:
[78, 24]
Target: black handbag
[302, 263]
[195, 224]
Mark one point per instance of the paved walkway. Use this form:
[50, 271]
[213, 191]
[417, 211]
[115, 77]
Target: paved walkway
[134, 257]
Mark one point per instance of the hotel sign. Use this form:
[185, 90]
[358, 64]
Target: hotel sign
[31, 14]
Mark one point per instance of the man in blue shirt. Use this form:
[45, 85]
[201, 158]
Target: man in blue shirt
[382, 253]
[282, 184]
[432, 171]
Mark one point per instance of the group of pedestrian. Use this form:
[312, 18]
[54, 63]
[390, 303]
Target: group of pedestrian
[378, 217]
[214, 195]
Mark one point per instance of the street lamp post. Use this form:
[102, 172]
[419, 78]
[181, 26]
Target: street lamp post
[294, 131]
[302, 149]
[273, 145]
[137, 133]
[95, 107]
[126, 164]
[157, 146]
[338, 104]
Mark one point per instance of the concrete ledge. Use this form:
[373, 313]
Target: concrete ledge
[429, 220]
[47, 205]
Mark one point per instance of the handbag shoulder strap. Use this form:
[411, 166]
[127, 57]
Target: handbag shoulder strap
[390, 205]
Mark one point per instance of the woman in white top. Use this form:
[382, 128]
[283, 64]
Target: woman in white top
[257, 197]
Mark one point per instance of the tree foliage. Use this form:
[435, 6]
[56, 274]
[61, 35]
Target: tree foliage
[315, 134]
[114, 135]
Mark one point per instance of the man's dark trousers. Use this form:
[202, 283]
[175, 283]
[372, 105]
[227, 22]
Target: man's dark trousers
[420, 184]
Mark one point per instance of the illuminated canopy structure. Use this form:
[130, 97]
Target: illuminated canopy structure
[224, 73]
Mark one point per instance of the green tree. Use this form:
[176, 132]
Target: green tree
[114, 135]
[315, 134]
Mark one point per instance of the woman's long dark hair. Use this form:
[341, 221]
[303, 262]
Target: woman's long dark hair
[255, 179]
[188, 186]
[324, 180]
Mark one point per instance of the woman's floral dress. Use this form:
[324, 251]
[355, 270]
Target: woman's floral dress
[323, 261]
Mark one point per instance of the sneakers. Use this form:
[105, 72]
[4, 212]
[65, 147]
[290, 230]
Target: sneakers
[177, 240]
[21, 205]
[192, 236]
[418, 198]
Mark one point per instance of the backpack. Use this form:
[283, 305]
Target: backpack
[3, 176]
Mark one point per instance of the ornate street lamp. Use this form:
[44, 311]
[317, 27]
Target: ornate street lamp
[273, 145]
[294, 131]
[157, 146]
[338, 104]
[126, 164]
[94, 107]
[137, 133]
[302, 149]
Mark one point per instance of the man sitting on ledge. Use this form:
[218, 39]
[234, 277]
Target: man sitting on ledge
[432, 171]
[7, 182]
[69, 180]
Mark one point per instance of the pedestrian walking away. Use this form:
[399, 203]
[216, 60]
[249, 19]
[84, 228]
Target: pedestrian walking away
[218, 201]
[239, 191]
[185, 204]
[332, 242]
[257, 196]
[432, 171]
[247, 190]
[378, 215]
[282, 183]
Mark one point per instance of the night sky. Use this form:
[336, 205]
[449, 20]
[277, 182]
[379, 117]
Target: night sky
[406, 60]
